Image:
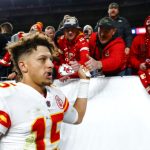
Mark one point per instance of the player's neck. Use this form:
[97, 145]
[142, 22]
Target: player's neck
[40, 89]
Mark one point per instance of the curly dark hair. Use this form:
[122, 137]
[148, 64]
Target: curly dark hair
[26, 45]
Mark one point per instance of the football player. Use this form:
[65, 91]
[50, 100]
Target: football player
[32, 110]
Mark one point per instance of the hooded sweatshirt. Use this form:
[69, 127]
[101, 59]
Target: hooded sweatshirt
[140, 48]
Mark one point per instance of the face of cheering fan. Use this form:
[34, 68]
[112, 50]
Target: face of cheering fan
[70, 33]
[50, 33]
[105, 34]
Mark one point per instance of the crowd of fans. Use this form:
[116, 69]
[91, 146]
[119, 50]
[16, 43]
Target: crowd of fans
[107, 50]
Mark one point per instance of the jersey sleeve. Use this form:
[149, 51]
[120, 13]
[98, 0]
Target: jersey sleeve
[5, 121]
[66, 105]
[84, 50]
[70, 113]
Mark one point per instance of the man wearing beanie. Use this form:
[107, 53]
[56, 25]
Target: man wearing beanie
[122, 25]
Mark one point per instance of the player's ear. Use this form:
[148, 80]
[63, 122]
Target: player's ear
[22, 66]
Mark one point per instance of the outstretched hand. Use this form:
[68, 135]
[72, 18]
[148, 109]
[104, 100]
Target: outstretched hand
[82, 72]
[143, 66]
[74, 65]
[93, 64]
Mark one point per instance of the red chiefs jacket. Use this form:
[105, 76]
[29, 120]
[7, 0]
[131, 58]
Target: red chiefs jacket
[140, 48]
[138, 52]
[111, 55]
[72, 50]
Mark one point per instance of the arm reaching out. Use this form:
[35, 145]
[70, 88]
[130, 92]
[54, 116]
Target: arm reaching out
[75, 114]
[93, 64]
[81, 101]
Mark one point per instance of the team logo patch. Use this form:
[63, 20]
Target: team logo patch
[65, 70]
[59, 102]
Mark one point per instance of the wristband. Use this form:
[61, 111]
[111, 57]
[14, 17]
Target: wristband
[83, 88]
